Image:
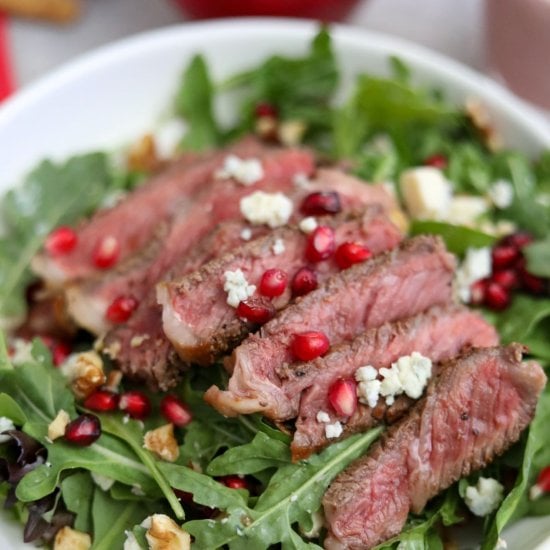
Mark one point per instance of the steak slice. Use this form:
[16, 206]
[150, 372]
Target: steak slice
[440, 334]
[134, 220]
[196, 316]
[218, 201]
[475, 408]
[391, 286]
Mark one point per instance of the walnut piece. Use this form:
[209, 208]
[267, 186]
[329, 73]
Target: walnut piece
[164, 534]
[71, 539]
[162, 442]
[56, 429]
[87, 373]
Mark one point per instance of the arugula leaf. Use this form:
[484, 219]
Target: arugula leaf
[457, 238]
[194, 103]
[76, 491]
[261, 453]
[538, 257]
[50, 195]
[536, 456]
[293, 493]
[10, 409]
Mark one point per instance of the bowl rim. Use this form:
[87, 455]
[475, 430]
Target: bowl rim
[448, 69]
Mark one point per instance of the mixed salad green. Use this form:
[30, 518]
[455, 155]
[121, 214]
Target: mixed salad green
[108, 488]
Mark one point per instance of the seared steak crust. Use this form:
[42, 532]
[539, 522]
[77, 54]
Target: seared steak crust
[394, 285]
[475, 408]
[196, 316]
[440, 334]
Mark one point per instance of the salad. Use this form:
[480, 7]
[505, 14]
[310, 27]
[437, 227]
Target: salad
[75, 469]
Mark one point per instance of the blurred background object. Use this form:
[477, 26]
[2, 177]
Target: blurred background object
[518, 46]
[59, 11]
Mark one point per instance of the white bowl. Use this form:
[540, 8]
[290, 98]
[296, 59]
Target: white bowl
[115, 94]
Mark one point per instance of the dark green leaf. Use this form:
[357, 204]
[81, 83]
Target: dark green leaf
[538, 258]
[77, 491]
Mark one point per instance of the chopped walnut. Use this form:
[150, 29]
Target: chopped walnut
[56, 429]
[163, 533]
[266, 127]
[142, 156]
[71, 539]
[86, 373]
[114, 378]
[481, 121]
[291, 132]
[162, 442]
[399, 219]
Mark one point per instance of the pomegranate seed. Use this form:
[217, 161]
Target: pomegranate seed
[348, 254]
[60, 352]
[532, 283]
[517, 240]
[265, 110]
[304, 281]
[102, 401]
[309, 345]
[504, 256]
[256, 310]
[437, 161]
[542, 485]
[320, 244]
[477, 292]
[507, 278]
[106, 252]
[121, 309]
[234, 482]
[61, 241]
[342, 395]
[83, 430]
[320, 203]
[273, 283]
[135, 403]
[496, 297]
[175, 411]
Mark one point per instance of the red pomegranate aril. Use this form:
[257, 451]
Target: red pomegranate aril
[320, 244]
[532, 283]
[84, 430]
[135, 403]
[234, 482]
[175, 411]
[348, 254]
[102, 401]
[106, 252]
[477, 292]
[256, 310]
[273, 283]
[61, 241]
[496, 297]
[506, 278]
[504, 256]
[309, 345]
[437, 161]
[60, 352]
[321, 203]
[542, 485]
[265, 109]
[342, 395]
[304, 281]
[518, 240]
[121, 309]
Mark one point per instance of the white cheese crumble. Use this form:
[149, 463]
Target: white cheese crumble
[168, 136]
[333, 430]
[301, 181]
[476, 266]
[272, 209]
[322, 416]
[5, 425]
[246, 234]
[237, 287]
[22, 352]
[368, 387]
[501, 544]
[245, 171]
[501, 194]
[484, 497]
[131, 543]
[466, 209]
[308, 225]
[103, 482]
[426, 192]
[408, 375]
[278, 247]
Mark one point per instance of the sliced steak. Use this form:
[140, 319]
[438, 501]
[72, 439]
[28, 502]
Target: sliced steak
[134, 220]
[140, 347]
[440, 334]
[474, 410]
[196, 316]
[218, 201]
[391, 286]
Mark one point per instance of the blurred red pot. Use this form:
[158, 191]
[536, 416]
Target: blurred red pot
[325, 10]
